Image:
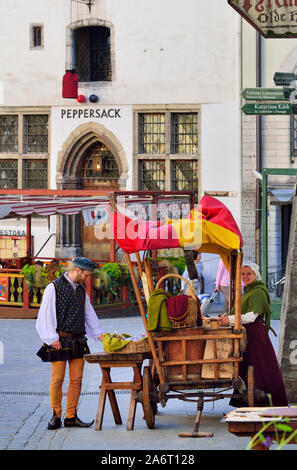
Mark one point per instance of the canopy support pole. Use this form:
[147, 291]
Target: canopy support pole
[29, 237]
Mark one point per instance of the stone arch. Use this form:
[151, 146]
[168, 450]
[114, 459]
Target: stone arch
[71, 154]
[70, 61]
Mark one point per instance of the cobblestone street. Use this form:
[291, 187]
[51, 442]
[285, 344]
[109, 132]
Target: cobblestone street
[25, 406]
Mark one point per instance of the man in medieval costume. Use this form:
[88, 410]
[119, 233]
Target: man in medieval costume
[65, 317]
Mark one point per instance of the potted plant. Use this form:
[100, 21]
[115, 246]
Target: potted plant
[38, 277]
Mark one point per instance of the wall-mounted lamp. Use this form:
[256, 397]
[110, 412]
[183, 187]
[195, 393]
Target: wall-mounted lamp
[97, 162]
[258, 175]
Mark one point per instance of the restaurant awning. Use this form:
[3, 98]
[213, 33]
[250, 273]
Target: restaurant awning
[23, 205]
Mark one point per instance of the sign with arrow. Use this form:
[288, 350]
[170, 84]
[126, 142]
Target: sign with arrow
[268, 94]
[284, 79]
[272, 18]
[269, 108]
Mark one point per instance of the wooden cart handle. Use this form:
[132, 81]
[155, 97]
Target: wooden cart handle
[192, 291]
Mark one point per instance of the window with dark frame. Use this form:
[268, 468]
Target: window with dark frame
[93, 54]
[8, 133]
[35, 174]
[37, 36]
[152, 175]
[151, 132]
[184, 133]
[8, 174]
[184, 175]
[35, 133]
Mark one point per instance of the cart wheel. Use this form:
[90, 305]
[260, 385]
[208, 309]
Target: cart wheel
[251, 386]
[147, 389]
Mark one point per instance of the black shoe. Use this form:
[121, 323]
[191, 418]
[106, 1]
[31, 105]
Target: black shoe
[76, 422]
[54, 423]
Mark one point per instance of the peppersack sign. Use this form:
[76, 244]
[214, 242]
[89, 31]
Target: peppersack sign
[272, 18]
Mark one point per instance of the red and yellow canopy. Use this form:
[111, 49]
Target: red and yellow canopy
[210, 228]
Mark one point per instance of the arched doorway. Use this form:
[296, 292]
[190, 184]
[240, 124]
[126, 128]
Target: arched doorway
[99, 170]
[75, 170]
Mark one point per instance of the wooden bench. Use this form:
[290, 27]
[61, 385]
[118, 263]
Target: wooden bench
[106, 362]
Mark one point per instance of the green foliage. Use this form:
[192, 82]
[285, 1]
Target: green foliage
[111, 276]
[117, 271]
[39, 276]
[280, 429]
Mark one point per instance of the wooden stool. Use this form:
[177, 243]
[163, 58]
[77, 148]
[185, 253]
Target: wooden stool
[106, 362]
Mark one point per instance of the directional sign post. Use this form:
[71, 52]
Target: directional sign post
[269, 108]
[264, 94]
[284, 79]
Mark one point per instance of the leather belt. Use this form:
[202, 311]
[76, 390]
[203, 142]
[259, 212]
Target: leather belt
[63, 334]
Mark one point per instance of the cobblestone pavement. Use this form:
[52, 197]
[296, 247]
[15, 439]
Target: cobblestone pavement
[25, 406]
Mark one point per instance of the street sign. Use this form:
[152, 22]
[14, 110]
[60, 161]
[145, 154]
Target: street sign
[271, 18]
[269, 108]
[268, 94]
[284, 79]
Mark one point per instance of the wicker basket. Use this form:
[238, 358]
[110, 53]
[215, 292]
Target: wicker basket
[193, 304]
[135, 347]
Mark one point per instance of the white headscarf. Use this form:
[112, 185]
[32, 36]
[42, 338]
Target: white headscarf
[254, 268]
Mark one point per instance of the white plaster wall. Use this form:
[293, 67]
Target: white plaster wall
[220, 166]
[169, 51]
[220, 153]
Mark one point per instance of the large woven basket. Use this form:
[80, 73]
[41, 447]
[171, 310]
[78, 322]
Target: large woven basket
[193, 304]
[135, 347]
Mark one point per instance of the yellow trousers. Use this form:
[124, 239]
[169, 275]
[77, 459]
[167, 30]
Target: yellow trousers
[75, 380]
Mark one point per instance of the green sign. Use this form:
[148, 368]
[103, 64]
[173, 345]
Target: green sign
[283, 79]
[268, 94]
[269, 108]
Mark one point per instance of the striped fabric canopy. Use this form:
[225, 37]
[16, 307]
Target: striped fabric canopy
[210, 228]
[23, 205]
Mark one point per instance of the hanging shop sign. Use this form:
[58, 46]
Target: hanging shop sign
[271, 18]
[12, 233]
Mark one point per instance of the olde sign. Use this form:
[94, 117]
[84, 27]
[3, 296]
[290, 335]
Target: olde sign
[272, 18]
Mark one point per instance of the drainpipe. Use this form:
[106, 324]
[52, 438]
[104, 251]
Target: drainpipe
[259, 151]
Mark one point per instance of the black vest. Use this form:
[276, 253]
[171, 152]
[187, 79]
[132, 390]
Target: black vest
[70, 307]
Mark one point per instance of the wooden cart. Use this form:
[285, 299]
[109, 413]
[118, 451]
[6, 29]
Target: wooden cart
[178, 355]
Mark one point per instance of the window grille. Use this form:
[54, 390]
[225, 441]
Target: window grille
[151, 133]
[8, 134]
[184, 135]
[8, 174]
[35, 174]
[36, 33]
[92, 52]
[108, 170]
[35, 134]
[184, 175]
[152, 175]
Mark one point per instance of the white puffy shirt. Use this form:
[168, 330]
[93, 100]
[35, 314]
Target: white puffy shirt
[248, 317]
[46, 324]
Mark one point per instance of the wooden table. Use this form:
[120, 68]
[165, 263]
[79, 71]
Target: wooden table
[106, 362]
[251, 428]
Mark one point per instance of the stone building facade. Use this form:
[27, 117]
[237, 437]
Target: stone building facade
[166, 80]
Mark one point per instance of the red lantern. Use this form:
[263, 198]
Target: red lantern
[70, 84]
[81, 98]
